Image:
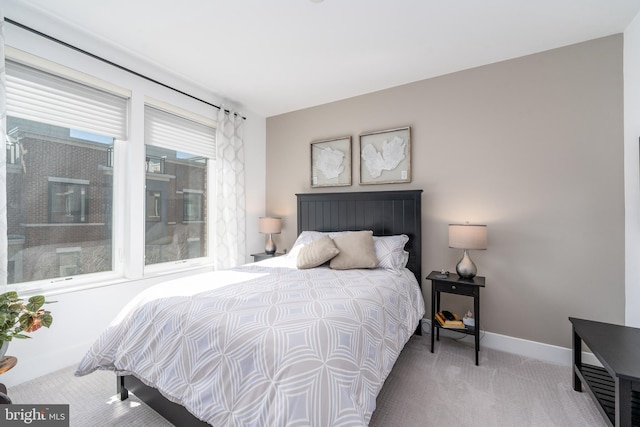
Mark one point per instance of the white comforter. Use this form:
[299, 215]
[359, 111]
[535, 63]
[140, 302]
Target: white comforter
[266, 344]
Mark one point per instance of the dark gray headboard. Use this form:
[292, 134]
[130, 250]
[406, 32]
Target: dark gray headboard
[385, 212]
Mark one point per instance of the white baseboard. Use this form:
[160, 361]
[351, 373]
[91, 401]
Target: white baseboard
[535, 350]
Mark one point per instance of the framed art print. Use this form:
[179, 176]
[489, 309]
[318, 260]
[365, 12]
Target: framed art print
[331, 162]
[385, 156]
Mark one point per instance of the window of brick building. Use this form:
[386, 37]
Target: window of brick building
[193, 205]
[68, 200]
[154, 206]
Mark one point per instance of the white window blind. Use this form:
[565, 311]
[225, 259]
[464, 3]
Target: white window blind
[168, 130]
[37, 95]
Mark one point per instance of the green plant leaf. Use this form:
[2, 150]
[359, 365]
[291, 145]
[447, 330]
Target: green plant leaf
[15, 307]
[21, 336]
[25, 320]
[9, 296]
[35, 302]
[46, 319]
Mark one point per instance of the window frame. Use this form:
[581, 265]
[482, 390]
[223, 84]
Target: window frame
[200, 120]
[128, 177]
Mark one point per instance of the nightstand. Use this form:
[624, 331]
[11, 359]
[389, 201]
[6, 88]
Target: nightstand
[454, 284]
[262, 256]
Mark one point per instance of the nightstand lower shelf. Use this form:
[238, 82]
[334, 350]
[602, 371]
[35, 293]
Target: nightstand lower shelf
[466, 330]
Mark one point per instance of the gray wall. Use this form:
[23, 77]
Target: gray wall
[532, 147]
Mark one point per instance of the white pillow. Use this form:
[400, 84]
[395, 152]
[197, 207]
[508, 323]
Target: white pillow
[390, 251]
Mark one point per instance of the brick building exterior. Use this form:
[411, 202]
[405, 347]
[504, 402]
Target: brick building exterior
[60, 202]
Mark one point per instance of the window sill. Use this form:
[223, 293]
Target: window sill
[53, 287]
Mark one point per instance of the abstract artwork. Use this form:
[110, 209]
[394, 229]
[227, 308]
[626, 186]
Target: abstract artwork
[331, 162]
[385, 156]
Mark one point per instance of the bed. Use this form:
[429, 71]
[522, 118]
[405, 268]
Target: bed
[282, 346]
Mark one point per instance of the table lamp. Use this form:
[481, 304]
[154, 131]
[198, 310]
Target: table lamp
[467, 237]
[269, 225]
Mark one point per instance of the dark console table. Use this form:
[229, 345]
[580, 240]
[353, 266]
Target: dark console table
[616, 387]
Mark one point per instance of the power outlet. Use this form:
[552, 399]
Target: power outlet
[426, 326]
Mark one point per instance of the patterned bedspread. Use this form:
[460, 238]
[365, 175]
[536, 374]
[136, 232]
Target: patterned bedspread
[266, 344]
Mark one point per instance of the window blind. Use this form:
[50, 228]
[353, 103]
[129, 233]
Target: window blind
[174, 132]
[37, 95]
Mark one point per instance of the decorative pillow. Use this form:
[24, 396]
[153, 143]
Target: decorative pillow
[390, 251]
[316, 253]
[303, 239]
[356, 251]
[307, 237]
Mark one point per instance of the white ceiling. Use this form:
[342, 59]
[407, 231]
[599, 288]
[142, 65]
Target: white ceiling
[272, 57]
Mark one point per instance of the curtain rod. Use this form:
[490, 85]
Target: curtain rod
[113, 64]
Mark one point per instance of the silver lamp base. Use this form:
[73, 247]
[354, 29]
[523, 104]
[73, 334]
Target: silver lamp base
[465, 267]
[270, 247]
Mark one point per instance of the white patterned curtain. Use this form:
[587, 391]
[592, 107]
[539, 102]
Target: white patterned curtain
[3, 163]
[230, 224]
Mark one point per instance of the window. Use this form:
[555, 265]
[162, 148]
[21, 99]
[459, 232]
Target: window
[60, 137]
[154, 207]
[193, 205]
[178, 152]
[68, 200]
[76, 191]
[58, 194]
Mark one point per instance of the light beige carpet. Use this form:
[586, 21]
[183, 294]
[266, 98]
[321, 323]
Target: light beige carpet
[446, 388]
[424, 389]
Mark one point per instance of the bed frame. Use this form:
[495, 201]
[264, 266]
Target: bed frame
[385, 212]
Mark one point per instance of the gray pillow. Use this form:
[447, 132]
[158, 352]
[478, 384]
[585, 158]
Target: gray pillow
[316, 253]
[356, 251]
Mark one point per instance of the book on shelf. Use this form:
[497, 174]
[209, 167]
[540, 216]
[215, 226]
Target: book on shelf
[447, 323]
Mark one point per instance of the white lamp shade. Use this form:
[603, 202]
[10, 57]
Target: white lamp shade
[465, 236]
[270, 225]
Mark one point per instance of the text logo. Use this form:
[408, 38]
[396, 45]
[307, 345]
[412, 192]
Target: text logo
[34, 415]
